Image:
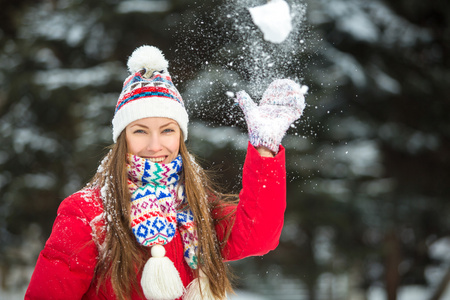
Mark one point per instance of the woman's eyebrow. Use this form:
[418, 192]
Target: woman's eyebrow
[170, 123]
[140, 125]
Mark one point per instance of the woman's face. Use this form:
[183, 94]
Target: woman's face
[155, 138]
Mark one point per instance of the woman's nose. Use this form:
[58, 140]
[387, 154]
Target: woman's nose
[154, 144]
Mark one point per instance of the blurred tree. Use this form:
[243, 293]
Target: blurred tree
[386, 132]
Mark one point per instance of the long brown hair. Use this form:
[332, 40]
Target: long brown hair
[120, 245]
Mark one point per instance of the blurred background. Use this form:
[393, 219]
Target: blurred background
[368, 165]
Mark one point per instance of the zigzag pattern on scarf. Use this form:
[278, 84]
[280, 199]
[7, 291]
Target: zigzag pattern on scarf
[160, 192]
[152, 175]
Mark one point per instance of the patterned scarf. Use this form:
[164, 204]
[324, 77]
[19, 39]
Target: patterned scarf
[159, 205]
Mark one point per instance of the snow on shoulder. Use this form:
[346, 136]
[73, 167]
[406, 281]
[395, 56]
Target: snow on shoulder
[274, 20]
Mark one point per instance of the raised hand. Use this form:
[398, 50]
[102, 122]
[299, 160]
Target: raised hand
[282, 103]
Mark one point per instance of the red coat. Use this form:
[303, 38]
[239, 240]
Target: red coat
[65, 268]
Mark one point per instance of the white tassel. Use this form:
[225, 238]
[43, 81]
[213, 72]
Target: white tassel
[193, 289]
[160, 279]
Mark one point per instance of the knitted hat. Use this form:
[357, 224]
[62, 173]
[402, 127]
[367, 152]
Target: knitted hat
[148, 92]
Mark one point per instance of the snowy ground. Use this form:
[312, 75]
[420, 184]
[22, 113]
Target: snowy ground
[240, 295]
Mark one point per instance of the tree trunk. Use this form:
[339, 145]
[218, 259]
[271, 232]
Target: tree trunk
[392, 253]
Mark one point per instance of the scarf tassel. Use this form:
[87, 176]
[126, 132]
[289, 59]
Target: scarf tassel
[193, 289]
[160, 279]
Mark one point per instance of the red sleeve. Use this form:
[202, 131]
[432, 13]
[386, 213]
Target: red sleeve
[259, 216]
[65, 266]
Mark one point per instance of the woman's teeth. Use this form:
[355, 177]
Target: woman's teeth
[156, 159]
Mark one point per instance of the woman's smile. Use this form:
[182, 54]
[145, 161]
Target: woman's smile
[156, 159]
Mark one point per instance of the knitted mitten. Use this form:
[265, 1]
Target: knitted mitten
[282, 103]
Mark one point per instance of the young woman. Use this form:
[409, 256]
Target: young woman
[150, 224]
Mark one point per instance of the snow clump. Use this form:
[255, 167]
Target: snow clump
[274, 20]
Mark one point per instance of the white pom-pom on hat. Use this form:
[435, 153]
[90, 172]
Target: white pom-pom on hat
[148, 57]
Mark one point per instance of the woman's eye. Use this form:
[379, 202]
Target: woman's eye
[168, 130]
[139, 131]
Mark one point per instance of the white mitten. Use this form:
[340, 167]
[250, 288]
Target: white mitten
[282, 103]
